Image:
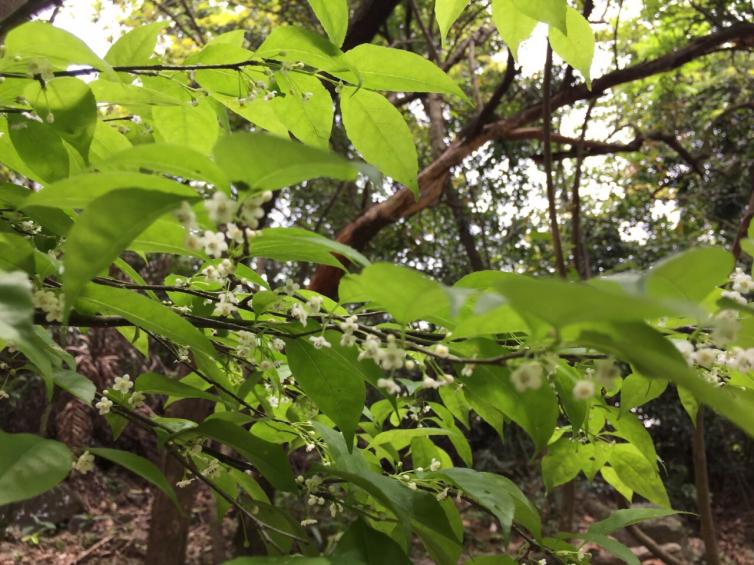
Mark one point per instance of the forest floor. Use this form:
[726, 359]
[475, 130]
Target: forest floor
[108, 523]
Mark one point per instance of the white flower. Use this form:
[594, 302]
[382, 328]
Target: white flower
[214, 244]
[291, 287]
[277, 344]
[583, 389]
[441, 350]
[234, 233]
[442, 495]
[447, 378]
[391, 357]
[310, 447]
[308, 522]
[50, 304]
[4, 395]
[429, 382]
[348, 340]
[220, 208]
[251, 234]
[194, 242]
[725, 328]
[468, 370]
[184, 483]
[213, 469]
[411, 485]
[410, 365]
[266, 365]
[742, 282]
[85, 463]
[226, 306]
[274, 401]
[185, 215]
[350, 325]
[314, 304]
[390, 386]
[606, 371]
[706, 357]
[212, 274]
[528, 375]
[137, 399]
[319, 342]
[435, 465]
[299, 312]
[247, 339]
[370, 348]
[123, 384]
[226, 267]
[103, 406]
[735, 296]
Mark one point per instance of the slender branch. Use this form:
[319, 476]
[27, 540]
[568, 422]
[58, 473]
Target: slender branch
[552, 206]
[580, 258]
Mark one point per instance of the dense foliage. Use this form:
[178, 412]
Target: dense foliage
[112, 160]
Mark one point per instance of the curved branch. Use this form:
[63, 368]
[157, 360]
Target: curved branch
[403, 205]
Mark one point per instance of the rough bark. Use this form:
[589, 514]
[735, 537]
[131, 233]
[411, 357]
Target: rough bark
[402, 204]
[168, 528]
[369, 17]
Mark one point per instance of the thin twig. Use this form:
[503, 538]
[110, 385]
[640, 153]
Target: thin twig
[547, 151]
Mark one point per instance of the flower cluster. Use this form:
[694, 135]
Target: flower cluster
[50, 303]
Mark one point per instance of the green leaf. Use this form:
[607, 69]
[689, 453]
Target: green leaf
[266, 162]
[16, 327]
[106, 142]
[690, 275]
[175, 160]
[362, 544]
[551, 12]
[636, 472]
[306, 109]
[611, 478]
[514, 26]
[638, 390]
[104, 229]
[483, 488]
[619, 519]
[16, 253]
[536, 411]
[689, 402]
[330, 380]
[193, 125]
[561, 463]
[40, 39]
[155, 383]
[138, 98]
[614, 547]
[333, 15]
[139, 466]
[76, 384]
[377, 129]
[30, 465]
[68, 105]
[577, 47]
[446, 13]
[40, 148]
[396, 70]
[292, 44]
[628, 426]
[295, 244]
[136, 46]
[147, 314]
[490, 488]
[268, 458]
[80, 190]
[406, 294]
[655, 356]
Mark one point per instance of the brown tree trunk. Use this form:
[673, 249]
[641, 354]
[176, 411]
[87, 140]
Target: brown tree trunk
[168, 527]
[703, 496]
